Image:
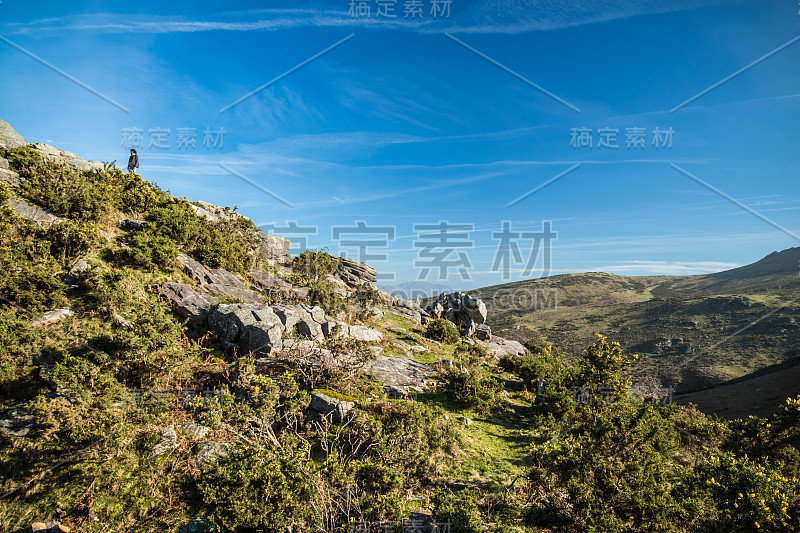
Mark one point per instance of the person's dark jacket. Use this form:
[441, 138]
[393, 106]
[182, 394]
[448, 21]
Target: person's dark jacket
[133, 161]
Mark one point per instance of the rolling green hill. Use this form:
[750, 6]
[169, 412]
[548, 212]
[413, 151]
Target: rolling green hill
[692, 331]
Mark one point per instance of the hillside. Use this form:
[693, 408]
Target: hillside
[166, 366]
[692, 331]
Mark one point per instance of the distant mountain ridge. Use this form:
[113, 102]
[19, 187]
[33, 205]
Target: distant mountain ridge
[694, 332]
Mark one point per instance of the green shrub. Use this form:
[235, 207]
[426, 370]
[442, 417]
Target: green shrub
[72, 239]
[259, 489]
[470, 354]
[150, 249]
[314, 266]
[460, 509]
[473, 388]
[443, 331]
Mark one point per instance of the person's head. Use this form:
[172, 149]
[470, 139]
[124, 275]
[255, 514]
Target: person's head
[133, 152]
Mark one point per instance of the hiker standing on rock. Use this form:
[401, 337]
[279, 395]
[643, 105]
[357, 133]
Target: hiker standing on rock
[133, 161]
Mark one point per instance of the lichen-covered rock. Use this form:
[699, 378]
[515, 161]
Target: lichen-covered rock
[19, 422]
[167, 440]
[77, 274]
[335, 408]
[399, 372]
[499, 347]
[355, 273]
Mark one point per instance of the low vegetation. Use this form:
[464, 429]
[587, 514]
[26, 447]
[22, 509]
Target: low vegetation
[535, 442]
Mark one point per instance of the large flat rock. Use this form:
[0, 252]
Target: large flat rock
[400, 372]
[187, 301]
[34, 213]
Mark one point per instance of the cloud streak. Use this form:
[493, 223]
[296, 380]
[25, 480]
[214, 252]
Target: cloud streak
[489, 16]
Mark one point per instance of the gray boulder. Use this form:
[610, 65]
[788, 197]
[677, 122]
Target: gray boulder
[269, 281]
[194, 269]
[364, 333]
[167, 440]
[288, 315]
[355, 273]
[271, 247]
[333, 407]
[247, 327]
[209, 453]
[19, 422]
[499, 347]
[214, 213]
[466, 312]
[188, 302]
[51, 317]
[8, 176]
[400, 372]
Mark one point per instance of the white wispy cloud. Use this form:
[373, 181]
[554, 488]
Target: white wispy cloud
[667, 267]
[487, 16]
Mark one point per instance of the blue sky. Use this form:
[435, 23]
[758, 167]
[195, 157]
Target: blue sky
[406, 123]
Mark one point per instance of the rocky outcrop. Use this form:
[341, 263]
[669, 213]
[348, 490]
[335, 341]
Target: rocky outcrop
[77, 274]
[271, 247]
[8, 176]
[461, 309]
[214, 213]
[363, 333]
[483, 332]
[39, 216]
[188, 302]
[410, 309]
[727, 303]
[66, 158]
[10, 138]
[269, 281]
[19, 422]
[355, 274]
[218, 280]
[247, 328]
